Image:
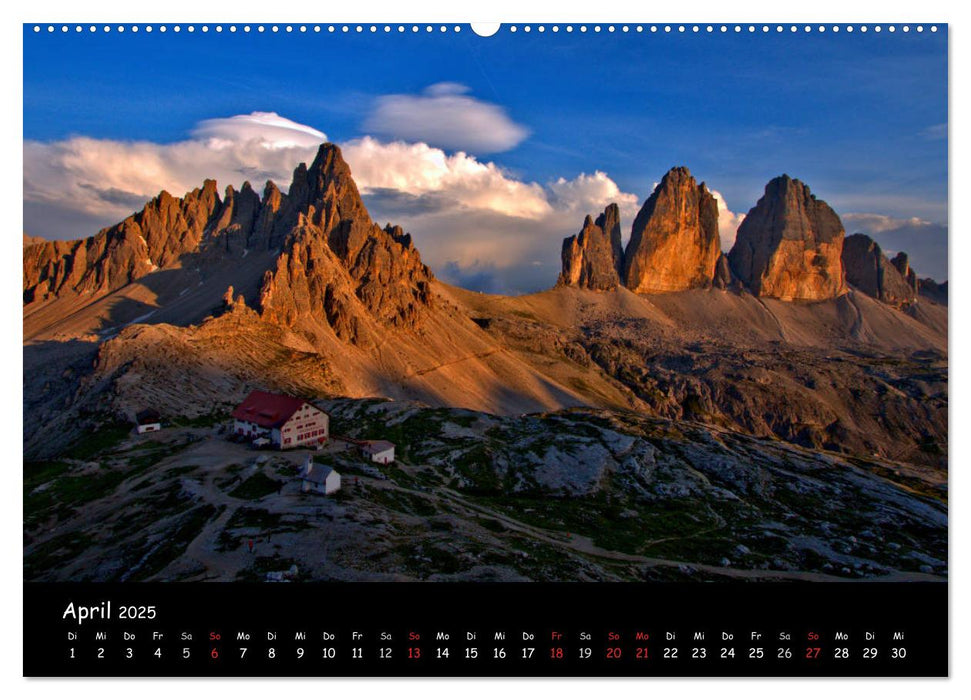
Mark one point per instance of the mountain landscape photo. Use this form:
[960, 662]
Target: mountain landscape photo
[492, 379]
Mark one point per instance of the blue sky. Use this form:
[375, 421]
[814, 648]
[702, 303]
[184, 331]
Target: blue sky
[861, 118]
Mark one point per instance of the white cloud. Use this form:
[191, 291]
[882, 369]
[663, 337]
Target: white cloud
[879, 223]
[590, 194]
[476, 225]
[485, 248]
[446, 88]
[419, 169]
[83, 182]
[728, 222]
[444, 115]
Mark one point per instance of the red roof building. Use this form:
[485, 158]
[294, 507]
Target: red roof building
[287, 421]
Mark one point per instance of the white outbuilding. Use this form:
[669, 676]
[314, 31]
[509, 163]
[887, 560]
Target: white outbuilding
[318, 478]
[380, 451]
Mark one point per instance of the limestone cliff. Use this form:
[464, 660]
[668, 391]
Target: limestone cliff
[868, 269]
[674, 241]
[594, 257]
[790, 244]
[335, 262]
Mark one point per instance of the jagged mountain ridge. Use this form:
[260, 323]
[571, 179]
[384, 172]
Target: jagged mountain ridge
[307, 274]
[594, 258]
[126, 251]
[324, 302]
[332, 258]
[790, 246]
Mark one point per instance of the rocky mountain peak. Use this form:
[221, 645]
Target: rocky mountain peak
[901, 261]
[327, 185]
[674, 242]
[789, 245]
[324, 194]
[609, 221]
[271, 191]
[333, 266]
[209, 189]
[334, 259]
[234, 222]
[868, 269]
[593, 258]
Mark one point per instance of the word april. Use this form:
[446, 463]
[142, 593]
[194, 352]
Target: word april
[80, 613]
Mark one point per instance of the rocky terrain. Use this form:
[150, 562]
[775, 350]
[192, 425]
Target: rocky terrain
[564, 496]
[809, 373]
[850, 374]
[797, 356]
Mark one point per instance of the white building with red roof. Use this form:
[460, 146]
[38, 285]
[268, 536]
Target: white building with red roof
[286, 421]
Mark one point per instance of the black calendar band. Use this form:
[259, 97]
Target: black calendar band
[452, 629]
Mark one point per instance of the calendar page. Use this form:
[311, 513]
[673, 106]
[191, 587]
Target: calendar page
[496, 350]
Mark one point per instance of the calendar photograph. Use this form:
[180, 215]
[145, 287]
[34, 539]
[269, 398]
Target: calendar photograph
[600, 304]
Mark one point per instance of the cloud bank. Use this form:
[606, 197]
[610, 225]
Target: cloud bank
[73, 183]
[418, 169]
[476, 224]
[269, 129]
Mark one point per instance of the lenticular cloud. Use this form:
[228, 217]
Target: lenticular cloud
[445, 116]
